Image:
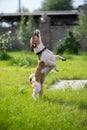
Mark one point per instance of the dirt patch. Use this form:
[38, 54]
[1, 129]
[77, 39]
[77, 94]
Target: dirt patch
[74, 84]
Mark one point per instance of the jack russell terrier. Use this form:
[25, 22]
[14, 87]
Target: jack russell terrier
[47, 62]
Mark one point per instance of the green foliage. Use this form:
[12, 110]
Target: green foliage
[22, 59]
[4, 55]
[27, 61]
[25, 30]
[59, 48]
[73, 68]
[75, 38]
[69, 44]
[58, 110]
[72, 45]
[5, 42]
[81, 30]
[56, 5]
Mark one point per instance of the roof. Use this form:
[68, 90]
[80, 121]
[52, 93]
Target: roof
[17, 16]
[66, 12]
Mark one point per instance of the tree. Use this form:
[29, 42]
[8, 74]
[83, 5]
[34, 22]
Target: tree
[25, 30]
[24, 9]
[49, 5]
[81, 31]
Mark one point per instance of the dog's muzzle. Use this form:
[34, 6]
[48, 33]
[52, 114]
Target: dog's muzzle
[36, 33]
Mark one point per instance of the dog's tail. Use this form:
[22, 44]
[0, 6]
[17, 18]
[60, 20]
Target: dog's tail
[60, 57]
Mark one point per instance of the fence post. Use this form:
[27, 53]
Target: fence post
[44, 26]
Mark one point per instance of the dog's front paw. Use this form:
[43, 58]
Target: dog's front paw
[56, 69]
[64, 59]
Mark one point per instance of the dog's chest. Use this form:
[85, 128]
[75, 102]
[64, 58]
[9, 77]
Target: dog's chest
[47, 57]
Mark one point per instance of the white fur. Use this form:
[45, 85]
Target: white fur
[46, 70]
[32, 76]
[39, 48]
[37, 86]
[48, 58]
[36, 89]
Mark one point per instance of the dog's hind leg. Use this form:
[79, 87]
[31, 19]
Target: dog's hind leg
[41, 92]
[60, 57]
[41, 81]
[36, 89]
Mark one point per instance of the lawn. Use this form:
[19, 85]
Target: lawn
[57, 110]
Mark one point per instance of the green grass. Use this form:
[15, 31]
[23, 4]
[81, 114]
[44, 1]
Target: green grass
[57, 110]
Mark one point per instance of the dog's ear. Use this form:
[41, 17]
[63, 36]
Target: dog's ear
[31, 43]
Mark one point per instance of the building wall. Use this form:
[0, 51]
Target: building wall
[57, 33]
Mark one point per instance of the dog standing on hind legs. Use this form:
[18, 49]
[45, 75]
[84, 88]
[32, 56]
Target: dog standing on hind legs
[47, 62]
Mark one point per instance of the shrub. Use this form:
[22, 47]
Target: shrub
[60, 48]
[28, 61]
[69, 44]
[81, 30]
[5, 41]
[4, 55]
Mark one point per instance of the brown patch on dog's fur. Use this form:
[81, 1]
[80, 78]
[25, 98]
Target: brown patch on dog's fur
[38, 75]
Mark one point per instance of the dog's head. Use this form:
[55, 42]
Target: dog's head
[35, 40]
